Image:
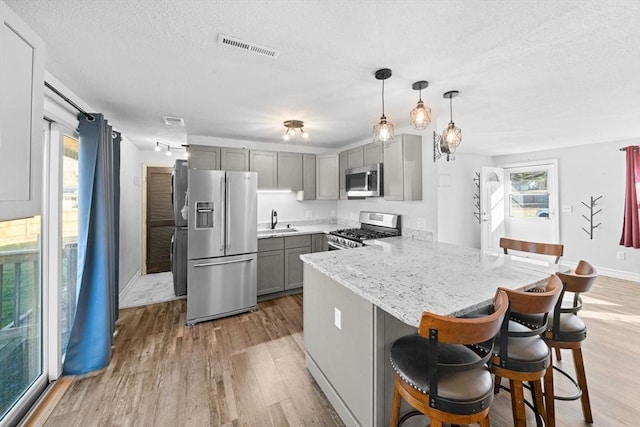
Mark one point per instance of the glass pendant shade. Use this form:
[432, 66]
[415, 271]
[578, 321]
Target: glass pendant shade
[420, 116]
[451, 139]
[383, 132]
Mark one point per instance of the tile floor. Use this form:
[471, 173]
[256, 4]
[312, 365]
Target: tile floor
[148, 289]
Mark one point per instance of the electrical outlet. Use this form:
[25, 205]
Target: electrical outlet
[136, 181]
[333, 214]
[422, 223]
[308, 214]
[337, 318]
[620, 255]
[567, 208]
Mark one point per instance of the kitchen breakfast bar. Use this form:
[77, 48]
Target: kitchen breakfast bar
[357, 302]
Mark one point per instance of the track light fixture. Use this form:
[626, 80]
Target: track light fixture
[169, 150]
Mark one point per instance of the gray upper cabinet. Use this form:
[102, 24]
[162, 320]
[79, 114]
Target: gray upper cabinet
[373, 154]
[343, 165]
[234, 159]
[21, 113]
[308, 177]
[403, 168]
[327, 177]
[266, 164]
[204, 157]
[355, 157]
[290, 171]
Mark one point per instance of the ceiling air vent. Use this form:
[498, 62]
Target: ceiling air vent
[173, 121]
[245, 45]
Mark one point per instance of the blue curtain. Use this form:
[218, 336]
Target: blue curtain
[91, 336]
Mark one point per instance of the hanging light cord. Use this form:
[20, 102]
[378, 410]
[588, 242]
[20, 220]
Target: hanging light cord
[420, 96]
[450, 111]
[383, 99]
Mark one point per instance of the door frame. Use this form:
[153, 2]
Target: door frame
[143, 220]
[555, 195]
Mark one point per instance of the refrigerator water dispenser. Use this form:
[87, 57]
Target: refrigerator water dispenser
[204, 215]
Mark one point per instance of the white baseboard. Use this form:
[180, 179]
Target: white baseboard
[609, 272]
[135, 277]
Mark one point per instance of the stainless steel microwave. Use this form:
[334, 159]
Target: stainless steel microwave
[365, 181]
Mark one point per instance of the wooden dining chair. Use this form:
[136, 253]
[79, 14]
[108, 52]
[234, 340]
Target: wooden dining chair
[520, 352]
[565, 330]
[551, 249]
[442, 371]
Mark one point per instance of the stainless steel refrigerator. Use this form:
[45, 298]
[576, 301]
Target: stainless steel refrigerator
[223, 244]
[179, 182]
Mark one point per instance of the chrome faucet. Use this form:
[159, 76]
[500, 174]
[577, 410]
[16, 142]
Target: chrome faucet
[274, 218]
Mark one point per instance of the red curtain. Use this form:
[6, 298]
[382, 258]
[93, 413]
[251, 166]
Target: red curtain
[631, 226]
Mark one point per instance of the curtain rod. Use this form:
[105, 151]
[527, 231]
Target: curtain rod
[635, 147]
[70, 102]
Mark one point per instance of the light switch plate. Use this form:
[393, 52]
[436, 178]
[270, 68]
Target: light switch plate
[567, 208]
[337, 318]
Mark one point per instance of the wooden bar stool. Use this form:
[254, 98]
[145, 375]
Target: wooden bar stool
[566, 331]
[551, 249]
[442, 371]
[520, 352]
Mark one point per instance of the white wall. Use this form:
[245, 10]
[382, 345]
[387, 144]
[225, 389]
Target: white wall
[585, 171]
[417, 215]
[456, 222]
[130, 211]
[290, 209]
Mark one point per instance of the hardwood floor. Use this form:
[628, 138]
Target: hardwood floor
[248, 370]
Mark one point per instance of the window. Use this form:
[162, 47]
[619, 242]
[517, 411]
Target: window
[69, 267]
[529, 194]
[20, 308]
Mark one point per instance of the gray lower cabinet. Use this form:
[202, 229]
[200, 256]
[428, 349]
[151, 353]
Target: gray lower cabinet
[279, 264]
[319, 243]
[270, 272]
[270, 265]
[293, 267]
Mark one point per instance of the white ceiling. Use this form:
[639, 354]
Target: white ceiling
[531, 75]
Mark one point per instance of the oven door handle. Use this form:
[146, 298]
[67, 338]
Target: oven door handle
[335, 245]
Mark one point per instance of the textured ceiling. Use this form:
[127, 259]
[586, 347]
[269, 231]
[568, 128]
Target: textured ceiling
[531, 75]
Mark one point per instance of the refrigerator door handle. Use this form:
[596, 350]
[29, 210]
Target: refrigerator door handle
[222, 236]
[211, 264]
[228, 214]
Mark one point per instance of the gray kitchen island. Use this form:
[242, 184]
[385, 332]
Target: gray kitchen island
[357, 302]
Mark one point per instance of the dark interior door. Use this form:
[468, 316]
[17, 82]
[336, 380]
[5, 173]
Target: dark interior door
[159, 219]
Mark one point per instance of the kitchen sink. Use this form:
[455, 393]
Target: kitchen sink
[270, 232]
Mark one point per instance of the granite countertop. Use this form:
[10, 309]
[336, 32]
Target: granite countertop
[405, 277]
[300, 230]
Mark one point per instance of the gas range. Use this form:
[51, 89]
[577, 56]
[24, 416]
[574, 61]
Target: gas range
[373, 225]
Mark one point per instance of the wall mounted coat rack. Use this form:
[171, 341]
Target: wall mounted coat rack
[476, 198]
[592, 214]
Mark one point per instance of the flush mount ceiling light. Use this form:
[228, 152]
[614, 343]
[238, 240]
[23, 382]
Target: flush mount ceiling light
[383, 131]
[420, 115]
[451, 137]
[293, 128]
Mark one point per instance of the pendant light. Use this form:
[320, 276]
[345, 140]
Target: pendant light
[383, 131]
[420, 115]
[451, 137]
